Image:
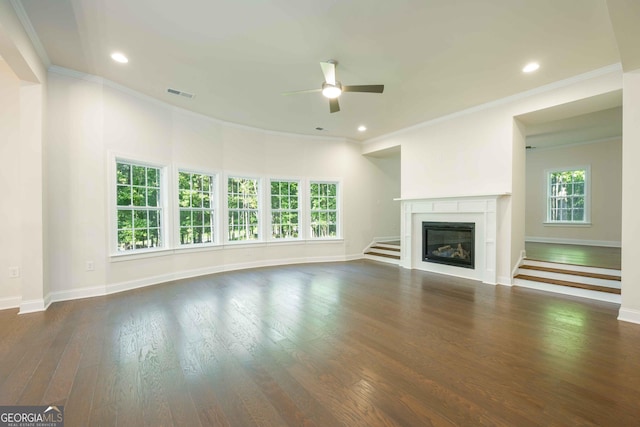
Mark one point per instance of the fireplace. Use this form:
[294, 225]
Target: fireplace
[451, 243]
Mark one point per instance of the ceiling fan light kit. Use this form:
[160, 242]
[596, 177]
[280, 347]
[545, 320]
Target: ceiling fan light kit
[332, 89]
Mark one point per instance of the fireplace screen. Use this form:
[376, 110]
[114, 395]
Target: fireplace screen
[451, 243]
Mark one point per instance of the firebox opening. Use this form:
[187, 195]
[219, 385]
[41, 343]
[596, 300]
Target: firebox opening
[451, 243]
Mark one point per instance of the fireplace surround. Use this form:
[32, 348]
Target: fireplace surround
[479, 210]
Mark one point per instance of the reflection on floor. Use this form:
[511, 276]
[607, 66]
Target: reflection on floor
[593, 256]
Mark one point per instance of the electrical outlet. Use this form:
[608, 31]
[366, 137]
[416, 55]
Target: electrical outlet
[14, 272]
[90, 266]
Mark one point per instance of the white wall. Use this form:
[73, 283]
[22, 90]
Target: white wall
[91, 121]
[24, 136]
[630, 309]
[10, 188]
[472, 153]
[605, 161]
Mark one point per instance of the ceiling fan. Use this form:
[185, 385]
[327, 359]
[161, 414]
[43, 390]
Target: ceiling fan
[332, 89]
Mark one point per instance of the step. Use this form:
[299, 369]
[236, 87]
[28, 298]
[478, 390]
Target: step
[571, 272]
[572, 267]
[386, 247]
[383, 254]
[569, 284]
[389, 259]
[521, 280]
[558, 274]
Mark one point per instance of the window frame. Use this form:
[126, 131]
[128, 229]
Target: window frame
[338, 209]
[586, 221]
[114, 208]
[259, 211]
[214, 207]
[299, 211]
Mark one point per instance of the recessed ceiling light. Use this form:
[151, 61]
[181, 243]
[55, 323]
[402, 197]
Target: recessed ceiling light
[119, 57]
[531, 67]
[362, 128]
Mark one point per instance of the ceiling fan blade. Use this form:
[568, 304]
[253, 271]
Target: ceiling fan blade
[329, 71]
[296, 92]
[334, 106]
[364, 88]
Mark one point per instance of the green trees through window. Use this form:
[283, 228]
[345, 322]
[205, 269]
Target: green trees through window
[324, 209]
[196, 199]
[567, 196]
[297, 209]
[138, 205]
[285, 214]
[242, 204]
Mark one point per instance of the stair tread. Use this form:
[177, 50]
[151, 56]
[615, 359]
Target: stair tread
[384, 248]
[383, 255]
[572, 272]
[569, 284]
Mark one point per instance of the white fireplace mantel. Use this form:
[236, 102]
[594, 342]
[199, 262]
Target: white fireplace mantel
[481, 210]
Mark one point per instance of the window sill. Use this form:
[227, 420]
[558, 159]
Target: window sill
[120, 257]
[566, 224]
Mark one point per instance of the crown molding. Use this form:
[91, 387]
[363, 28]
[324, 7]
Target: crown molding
[124, 89]
[31, 32]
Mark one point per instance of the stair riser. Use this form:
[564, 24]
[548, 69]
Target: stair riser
[595, 270]
[584, 293]
[384, 245]
[382, 251]
[571, 278]
[382, 259]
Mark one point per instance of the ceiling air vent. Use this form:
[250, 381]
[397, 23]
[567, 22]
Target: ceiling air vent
[180, 93]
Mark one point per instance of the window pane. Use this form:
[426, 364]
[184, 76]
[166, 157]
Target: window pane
[123, 173]
[140, 219]
[152, 197]
[153, 219]
[125, 240]
[125, 219]
[139, 196]
[124, 195]
[184, 181]
[139, 175]
[185, 218]
[154, 238]
[184, 198]
[153, 177]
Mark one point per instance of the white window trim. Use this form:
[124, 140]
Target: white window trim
[301, 190]
[339, 204]
[261, 210]
[112, 205]
[217, 239]
[587, 197]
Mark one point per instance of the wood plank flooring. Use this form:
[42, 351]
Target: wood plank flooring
[590, 256]
[354, 344]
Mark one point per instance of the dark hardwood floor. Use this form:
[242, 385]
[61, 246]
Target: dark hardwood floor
[354, 344]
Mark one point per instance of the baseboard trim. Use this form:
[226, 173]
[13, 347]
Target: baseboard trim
[97, 291]
[629, 315]
[10, 302]
[35, 305]
[563, 241]
[504, 281]
[156, 280]
[73, 294]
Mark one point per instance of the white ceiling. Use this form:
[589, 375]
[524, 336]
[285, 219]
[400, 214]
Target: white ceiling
[593, 119]
[434, 57]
